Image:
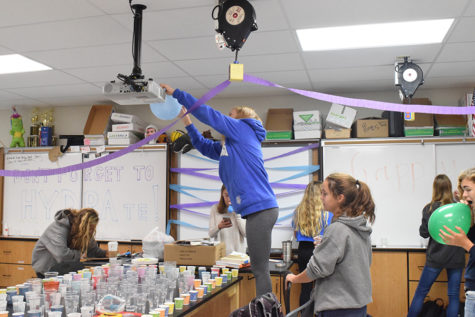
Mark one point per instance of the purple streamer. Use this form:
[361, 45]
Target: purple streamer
[363, 103]
[311, 146]
[103, 159]
[192, 205]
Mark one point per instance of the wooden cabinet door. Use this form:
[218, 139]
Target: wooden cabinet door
[389, 281]
[13, 274]
[16, 251]
[438, 290]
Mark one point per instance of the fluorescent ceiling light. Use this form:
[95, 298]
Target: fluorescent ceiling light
[374, 35]
[15, 63]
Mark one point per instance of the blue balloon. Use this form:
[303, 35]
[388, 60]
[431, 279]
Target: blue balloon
[167, 110]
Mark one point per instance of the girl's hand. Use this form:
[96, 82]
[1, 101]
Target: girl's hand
[459, 239]
[289, 278]
[186, 119]
[168, 89]
[225, 223]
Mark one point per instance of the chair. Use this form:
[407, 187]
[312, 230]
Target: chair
[306, 310]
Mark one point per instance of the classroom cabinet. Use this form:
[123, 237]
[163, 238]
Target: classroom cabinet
[15, 261]
[439, 288]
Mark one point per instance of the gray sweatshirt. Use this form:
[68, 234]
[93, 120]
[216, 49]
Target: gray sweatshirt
[52, 247]
[340, 266]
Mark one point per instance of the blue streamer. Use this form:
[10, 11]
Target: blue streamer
[311, 169]
[182, 223]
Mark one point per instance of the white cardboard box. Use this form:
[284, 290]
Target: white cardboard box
[340, 116]
[127, 118]
[134, 127]
[307, 120]
[309, 134]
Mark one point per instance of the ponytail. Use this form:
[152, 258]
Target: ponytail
[358, 200]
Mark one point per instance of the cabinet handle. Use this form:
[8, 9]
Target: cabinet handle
[6, 275]
[420, 267]
[7, 251]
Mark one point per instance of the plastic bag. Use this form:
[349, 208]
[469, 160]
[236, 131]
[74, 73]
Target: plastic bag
[111, 304]
[153, 243]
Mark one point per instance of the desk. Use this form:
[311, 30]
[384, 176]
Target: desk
[222, 302]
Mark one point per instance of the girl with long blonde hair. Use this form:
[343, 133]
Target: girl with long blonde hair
[309, 222]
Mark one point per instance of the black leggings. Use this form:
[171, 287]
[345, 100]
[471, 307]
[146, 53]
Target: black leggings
[305, 252]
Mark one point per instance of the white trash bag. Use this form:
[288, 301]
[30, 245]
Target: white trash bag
[153, 243]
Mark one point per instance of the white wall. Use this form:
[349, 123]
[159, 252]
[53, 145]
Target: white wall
[71, 120]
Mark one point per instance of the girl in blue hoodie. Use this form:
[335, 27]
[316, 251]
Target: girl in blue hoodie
[241, 169]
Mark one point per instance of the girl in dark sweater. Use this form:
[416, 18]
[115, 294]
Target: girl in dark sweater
[439, 256]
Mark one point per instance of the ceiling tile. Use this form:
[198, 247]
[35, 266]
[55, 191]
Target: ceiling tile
[23, 12]
[21, 102]
[310, 13]
[119, 7]
[119, 54]
[177, 82]
[355, 74]
[470, 11]
[453, 82]
[283, 62]
[463, 69]
[183, 23]
[64, 34]
[37, 79]
[57, 91]
[463, 31]
[108, 73]
[457, 52]
[273, 42]
[366, 57]
[290, 79]
[192, 48]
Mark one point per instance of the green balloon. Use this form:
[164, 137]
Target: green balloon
[450, 215]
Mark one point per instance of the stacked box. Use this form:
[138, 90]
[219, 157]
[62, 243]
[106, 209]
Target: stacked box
[371, 128]
[447, 125]
[279, 124]
[307, 124]
[339, 121]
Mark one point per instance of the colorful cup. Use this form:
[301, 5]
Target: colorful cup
[224, 278]
[201, 291]
[182, 268]
[171, 307]
[196, 283]
[219, 281]
[213, 283]
[193, 295]
[235, 272]
[179, 302]
[166, 308]
[209, 287]
[186, 298]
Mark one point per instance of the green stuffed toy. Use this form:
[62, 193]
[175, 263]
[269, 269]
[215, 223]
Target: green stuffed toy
[17, 130]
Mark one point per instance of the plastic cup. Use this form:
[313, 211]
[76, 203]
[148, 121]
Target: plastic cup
[234, 272]
[182, 268]
[213, 283]
[179, 302]
[209, 287]
[4, 313]
[193, 295]
[166, 308]
[22, 314]
[201, 292]
[171, 307]
[49, 275]
[219, 281]
[186, 298]
[112, 247]
[225, 278]
[196, 283]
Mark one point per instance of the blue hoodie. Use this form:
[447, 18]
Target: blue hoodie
[241, 167]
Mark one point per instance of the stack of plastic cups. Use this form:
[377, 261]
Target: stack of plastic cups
[71, 302]
[3, 301]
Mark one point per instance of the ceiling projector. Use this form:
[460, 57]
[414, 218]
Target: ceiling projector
[145, 92]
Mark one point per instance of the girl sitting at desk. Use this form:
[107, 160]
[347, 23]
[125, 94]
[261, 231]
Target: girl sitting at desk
[68, 239]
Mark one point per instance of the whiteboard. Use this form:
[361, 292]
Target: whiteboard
[129, 193]
[454, 158]
[199, 216]
[31, 202]
[400, 177]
